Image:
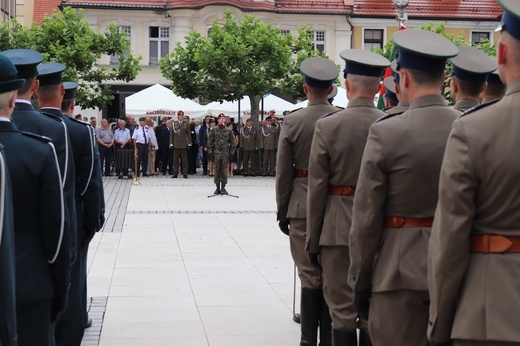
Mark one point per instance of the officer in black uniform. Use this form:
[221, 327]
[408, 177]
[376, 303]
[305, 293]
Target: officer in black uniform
[41, 244]
[7, 257]
[26, 118]
[70, 329]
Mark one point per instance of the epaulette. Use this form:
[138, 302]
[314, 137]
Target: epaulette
[387, 116]
[340, 108]
[329, 114]
[294, 110]
[50, 115]
[39, 137]
[472, 109]
[77, 121]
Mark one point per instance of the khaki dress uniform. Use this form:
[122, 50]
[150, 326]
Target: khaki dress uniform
[268, 140]
[395, 202]
[249, 143]
[464, 105]
[179, 139]
[474, 261]
[337, 147]
[294, 148]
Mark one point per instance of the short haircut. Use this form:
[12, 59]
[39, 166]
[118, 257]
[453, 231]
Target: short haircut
[469, 88]
[427, 78]
[494, 90]
[65, 104]
[27, 86]
[369, 83]
[48, 93]
[5, 98]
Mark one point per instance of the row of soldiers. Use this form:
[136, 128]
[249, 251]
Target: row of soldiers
[51, 204]
[405, 224]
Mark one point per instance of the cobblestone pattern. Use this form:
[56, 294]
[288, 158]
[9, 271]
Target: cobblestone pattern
[117, 194]
[96, 307]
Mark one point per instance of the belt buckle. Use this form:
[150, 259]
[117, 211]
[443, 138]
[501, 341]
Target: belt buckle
[347, 190]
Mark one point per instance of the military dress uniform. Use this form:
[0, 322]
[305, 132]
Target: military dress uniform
[294, 147]
[335, 156]
[395, 201]
[249, 143]
[8, 334]
[221, 144]
[26, 118]
[268, 140]
[179, 139]
[473, 262]
[471, 66]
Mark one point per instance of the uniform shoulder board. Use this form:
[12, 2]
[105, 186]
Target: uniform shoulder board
[79, 122]
[329, 114]
[339, 107]
[294, 110]
[386, 116]
[35, 136]
[471, 110]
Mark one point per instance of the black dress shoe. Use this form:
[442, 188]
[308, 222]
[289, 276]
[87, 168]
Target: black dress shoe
[185, 176]
[174, 176]
[146, 175]
[88, 324]
[129, 176]
[120, 176]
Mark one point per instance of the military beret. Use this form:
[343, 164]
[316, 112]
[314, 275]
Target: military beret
[25, 61]
[9, 80]
[179, 112]
[50, 73]
[423, 50]
[510, 18]
[319, 72]
[221, 115]
[363, 62]
[70, 90]
[472, 65]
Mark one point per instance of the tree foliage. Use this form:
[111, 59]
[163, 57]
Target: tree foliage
[66, 38]
[238, 58]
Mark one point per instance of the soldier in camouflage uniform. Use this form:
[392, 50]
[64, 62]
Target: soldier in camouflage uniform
[221, 143]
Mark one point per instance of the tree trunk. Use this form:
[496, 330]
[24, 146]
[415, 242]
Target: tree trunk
[255, 109]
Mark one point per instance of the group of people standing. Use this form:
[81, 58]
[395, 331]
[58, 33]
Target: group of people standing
[51, 204]
[404, 223]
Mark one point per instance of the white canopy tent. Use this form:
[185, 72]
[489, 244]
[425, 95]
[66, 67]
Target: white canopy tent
[340, 100]
[159, 101]
[231, 108]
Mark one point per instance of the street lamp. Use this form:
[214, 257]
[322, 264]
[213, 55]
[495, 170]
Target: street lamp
[402, 16]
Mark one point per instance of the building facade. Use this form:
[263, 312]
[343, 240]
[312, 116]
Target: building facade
[8, 10]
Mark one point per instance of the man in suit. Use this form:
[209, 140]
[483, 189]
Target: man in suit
[50, 94]
[249, 143]
[396, 195]
[203, 141]
[8, 334]
[26, 118]
[337, 146]
[179, 139]
[291, 193]
[167, 153]
[470, 69]
[42, 247]
[473, 257]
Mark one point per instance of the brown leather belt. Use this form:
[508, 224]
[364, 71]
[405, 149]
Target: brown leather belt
[342, 190]
[489, 243]
[398, 222]
[301, 173]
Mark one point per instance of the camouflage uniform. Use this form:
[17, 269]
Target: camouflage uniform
[221, 143]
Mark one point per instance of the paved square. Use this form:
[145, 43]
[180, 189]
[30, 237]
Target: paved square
[174, 267]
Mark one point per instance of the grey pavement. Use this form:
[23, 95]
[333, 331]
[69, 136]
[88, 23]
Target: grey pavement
[174, 267]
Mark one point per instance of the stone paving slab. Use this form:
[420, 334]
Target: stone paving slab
[174, 267]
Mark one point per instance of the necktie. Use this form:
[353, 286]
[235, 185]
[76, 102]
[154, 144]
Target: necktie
[144, 134]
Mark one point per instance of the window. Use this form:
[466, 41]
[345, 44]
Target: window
[477, 36]
[159, 43]
[318, 40]
[285, 32]
[373, 38]
[127, 31]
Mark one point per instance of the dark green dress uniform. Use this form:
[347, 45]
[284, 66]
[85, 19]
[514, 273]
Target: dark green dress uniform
[42, 245]
[221, 144]
[268, 138]
[395, 199]
[179, 139]
[471, 66]
[294, 147]
[8, 334]
[26, 118]
[70, 329]
[335, 157]
[249, 143]
[474, 252]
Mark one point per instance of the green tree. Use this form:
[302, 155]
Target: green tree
[66, 38]
[236, 59]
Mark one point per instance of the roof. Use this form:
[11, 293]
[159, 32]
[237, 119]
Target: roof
[277, 6]
[432, 9]
[44, 8]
